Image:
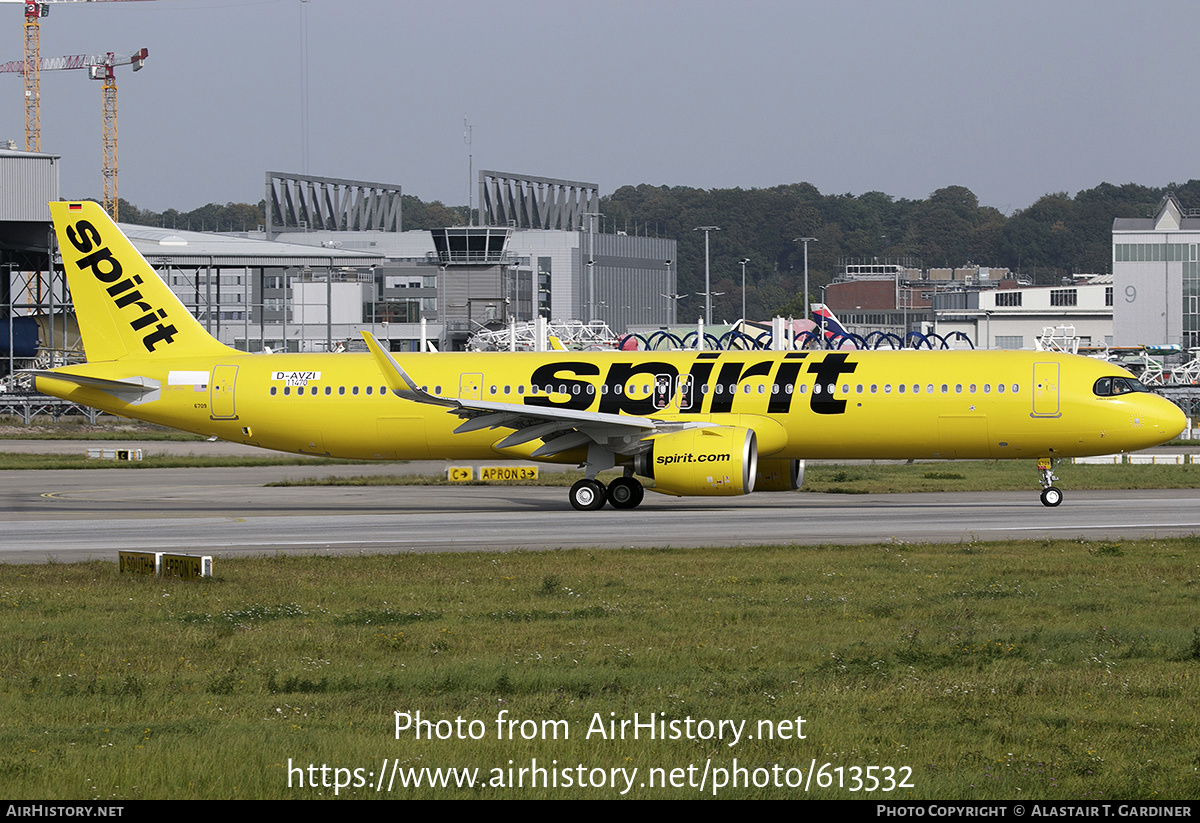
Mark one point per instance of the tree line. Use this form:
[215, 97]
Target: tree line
[1056, 237]
[244, 217]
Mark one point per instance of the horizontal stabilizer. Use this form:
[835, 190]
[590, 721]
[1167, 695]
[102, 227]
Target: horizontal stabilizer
[129, 390]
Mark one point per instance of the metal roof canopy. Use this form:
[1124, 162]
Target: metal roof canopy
[299, 202]
[527, 202]
[186, 249]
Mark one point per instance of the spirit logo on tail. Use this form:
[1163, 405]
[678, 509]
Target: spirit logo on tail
[99, 261]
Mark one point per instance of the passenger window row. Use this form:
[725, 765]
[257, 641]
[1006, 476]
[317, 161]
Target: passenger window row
[313, 391]
[1104, 387]
[761, 388]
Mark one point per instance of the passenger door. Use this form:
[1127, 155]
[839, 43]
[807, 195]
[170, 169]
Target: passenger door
[1045, 390]
[220, 398]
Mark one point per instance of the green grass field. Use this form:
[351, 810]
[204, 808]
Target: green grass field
[1029, 670]
[1022, 670]
[76, 427]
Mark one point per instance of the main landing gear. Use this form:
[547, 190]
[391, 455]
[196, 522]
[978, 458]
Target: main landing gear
[1051, 495]
[623, 493]
[589, 494]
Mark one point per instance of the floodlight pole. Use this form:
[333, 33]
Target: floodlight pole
[672, 298]
[805, 241]
[743, 263]
[707, 289]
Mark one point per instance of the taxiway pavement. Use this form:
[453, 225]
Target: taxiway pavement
[76, 515]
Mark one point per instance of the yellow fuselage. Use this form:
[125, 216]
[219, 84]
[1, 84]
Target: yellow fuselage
[874, 404]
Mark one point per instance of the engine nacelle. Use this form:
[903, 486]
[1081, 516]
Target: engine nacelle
[713, 461]
[775, 475]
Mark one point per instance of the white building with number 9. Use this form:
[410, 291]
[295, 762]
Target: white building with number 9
[1156, 278]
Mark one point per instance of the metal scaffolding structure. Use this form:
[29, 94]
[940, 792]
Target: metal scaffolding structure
[299, 202]
[39, 331]
[525, 202]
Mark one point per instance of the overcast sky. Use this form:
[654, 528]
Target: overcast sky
[1012, 100]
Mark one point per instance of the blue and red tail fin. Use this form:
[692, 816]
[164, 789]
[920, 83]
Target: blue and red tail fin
[827, 322]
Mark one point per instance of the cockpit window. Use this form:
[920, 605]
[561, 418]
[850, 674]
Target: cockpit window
[1112, 386]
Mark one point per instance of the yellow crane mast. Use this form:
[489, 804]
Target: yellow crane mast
[35, 10]
[100, 67]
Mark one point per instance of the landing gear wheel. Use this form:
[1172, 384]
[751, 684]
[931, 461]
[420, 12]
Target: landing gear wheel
[588, 495]
[1051, 496]
[625, 493]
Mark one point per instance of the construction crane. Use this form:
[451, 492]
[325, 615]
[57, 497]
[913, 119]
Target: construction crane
[100, 67]
[34, 11]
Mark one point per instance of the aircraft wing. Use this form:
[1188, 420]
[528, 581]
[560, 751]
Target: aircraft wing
[560, 429]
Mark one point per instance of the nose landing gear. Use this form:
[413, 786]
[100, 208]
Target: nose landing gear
[1051, 495]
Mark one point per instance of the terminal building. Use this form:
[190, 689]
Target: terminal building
[1014, 318]
[1152, 296]
[989, 306]
[899, 297]
[536, 254]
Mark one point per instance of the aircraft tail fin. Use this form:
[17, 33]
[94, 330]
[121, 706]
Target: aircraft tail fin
[124, 309]
[823, 316]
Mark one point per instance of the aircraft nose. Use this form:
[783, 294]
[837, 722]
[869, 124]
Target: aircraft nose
[1165, 418]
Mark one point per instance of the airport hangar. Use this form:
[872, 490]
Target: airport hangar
[1156, 277]
[333, 259]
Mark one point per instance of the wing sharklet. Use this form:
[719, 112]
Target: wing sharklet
[398, 380]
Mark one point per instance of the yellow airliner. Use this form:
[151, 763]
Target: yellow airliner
[697, 423]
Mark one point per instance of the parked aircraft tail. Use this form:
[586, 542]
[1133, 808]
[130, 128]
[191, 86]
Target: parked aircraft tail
[823, 316]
